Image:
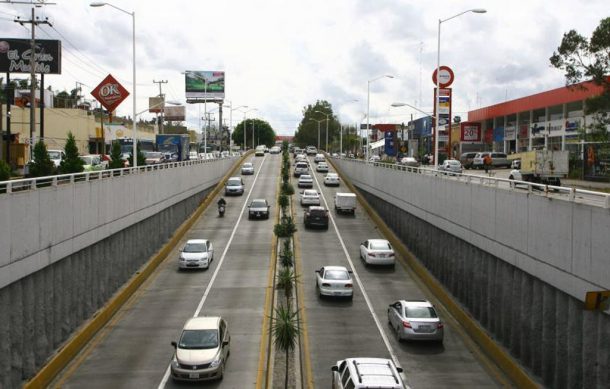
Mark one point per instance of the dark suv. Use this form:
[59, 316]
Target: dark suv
[316, 217]
[466, 159]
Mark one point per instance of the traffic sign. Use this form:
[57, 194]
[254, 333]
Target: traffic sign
[110, 93]
[446, 77]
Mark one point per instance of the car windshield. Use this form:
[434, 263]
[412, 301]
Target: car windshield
[305, 177]
[420, 312]
[310, 193]
[258, 204]
[234, 182]
[54, 154]
[199, 339]
[380, 246]
[336, 275]
[194, 248]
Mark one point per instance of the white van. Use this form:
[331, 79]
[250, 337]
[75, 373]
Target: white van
[345, 202]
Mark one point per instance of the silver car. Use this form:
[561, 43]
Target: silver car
[234, 186]
[305, 181]
[450, 166]
[415, 320]
[202, 351]
[322, 167]
[334, 281]
[196, 253]
[247, 168]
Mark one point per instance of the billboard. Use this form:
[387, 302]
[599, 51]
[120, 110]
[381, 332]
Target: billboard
[177, 113]
[15, 56]
[155, 104]
[204, 85]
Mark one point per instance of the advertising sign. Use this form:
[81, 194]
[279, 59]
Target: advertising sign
[498, 134]
[177, 113]
[390, 143]
[470, 132]
[110, 93]
[510, 133]
[204, 85]
[155, 104]
[444, 107]
[15, 56]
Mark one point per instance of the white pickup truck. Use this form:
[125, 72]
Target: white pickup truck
[345, 203]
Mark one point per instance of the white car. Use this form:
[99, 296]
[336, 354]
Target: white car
[319, 158]
[202, 351]
[275, 150]
[374, 158]
[322, 167]
[56, 156]
[196, 253]
[247, 168]
[310, 197]
[331, 179]
[305, 181]
[451, 166]
[377, 252]
[415, 320]
[193, 155]
[334, 281]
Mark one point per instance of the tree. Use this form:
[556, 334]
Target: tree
[285, 330]
[62, 100]
[141, 158]
[307, 133]
[263, 133]
[41, 165]
[5, 171]
[72, 163]
[116, 156]
[583, 59]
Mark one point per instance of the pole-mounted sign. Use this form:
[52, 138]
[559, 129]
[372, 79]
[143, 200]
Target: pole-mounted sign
[446, 76]
[110, 93]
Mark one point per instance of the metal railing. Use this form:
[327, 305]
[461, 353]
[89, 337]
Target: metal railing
[34, 183]
[583, 196]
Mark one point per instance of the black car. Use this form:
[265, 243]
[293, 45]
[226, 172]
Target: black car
[316, 217]
[258, 209]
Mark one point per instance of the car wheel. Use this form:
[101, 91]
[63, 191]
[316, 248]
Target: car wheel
[222, 371]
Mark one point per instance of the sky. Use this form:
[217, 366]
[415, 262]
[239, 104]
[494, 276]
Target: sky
[280, 56]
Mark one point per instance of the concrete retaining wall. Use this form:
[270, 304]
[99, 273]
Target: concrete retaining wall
[497, 253]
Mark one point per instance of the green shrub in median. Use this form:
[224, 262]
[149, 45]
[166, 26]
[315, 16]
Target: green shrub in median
[286, 228]
[286, 256]
[283, 202]
[287, 189]
[285, 281]
[285, 328]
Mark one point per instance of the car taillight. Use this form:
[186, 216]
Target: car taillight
[439, 325]
[391, 255]
[372, 255]
[406, 324]
[326, 284]
[349, 285]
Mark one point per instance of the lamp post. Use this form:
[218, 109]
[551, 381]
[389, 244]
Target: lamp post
[438, 65]
[133, 37]
[368, 108]
[231, 109]
[319, 121]
[245, 112]
[327, 120]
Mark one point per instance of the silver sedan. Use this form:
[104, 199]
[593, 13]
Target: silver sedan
[415, 320]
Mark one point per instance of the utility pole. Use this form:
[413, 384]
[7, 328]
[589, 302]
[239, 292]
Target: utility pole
[34, 23]
[161, 82]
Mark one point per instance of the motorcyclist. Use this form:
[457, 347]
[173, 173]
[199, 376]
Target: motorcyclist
[222, 202]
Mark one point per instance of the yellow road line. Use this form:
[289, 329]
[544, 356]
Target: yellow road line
[265, 345]
[503, 360]
[80, 339]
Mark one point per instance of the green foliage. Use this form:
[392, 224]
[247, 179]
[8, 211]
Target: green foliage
[115, 155]
[283, 201]
[141, 159]
[286, 228]
[72, 163]
[286, 256]
[307, 132]
[584, 60]
[263, 133]
[286, 329]
[287, 189]
[5, 171]
[285, 281]
[41, 165]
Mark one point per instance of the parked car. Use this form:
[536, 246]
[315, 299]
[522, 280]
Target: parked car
[322, 167]
[202, 351]
[467, 159]
[451, 166]
[300, 168]
[497, 160]
[234, 186]
[258, 209]
[319, 158]
[377, 252]
[153, 158]
[374, 158]
[196, 253]
[357, 373]
[409, 161]
[247, 168]
[310, 197]
[92, 163]
[331, 179]
[316, 216]
[305, 181]
[334, 281]
[415, 320]
[56, 156]
[516, 164]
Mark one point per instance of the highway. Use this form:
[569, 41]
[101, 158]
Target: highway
[134, 349]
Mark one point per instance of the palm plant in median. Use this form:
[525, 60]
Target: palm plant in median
[285, 329]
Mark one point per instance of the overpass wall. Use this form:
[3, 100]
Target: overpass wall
[519, 263]
[70, 248]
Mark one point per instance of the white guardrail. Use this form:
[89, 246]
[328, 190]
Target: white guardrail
[60, 179]
[589, 197]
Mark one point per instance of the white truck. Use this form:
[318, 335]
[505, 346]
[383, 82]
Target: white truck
[546, 167]
[345, 203]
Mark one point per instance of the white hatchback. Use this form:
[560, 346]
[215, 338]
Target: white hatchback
[334, 281]
[377, 252]
[310, 197]
[331, 179]
[196, 253]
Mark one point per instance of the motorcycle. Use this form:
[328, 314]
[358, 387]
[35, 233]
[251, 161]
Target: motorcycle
[221, 210]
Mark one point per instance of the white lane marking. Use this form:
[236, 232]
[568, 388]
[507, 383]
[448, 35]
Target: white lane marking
[222, 258]
[357, 278]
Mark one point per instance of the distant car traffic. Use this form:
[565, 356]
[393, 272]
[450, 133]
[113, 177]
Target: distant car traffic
[331, 179]
[260, 151]
[311, 150]
[247, 168]
[202, 351]
[334, 281]
[316, 217]
[310, 197]
[300, 168]
[234, 186]
[415, 320]
[409, 161]
[377, 252]
[258, 209]
[374, 158]
[319, 158]
[196, 253]
[153, 158]
[275, 150]
[322, 167]
[305, 181]
[466, 159]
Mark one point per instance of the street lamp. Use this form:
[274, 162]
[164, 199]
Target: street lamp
[438, 65]
[135, 128]
[327, 120]
[368, 107]
[319, 121]
[245, 112]
[231, 109]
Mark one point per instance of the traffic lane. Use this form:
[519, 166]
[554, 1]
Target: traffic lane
[239, 290]
[425, 364]
[134, 349]
[337, 327]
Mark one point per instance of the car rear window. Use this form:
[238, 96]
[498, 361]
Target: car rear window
[258, 204]
[317, 212]
[380, 246]
[301, 165]
[336, 275]
[420, 312]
